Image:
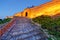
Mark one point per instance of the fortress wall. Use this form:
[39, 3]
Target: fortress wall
[50, 8]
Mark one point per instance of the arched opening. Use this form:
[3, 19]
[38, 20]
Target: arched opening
[26, 14]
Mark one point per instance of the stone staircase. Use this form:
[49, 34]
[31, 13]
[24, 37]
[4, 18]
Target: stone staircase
[23, 29]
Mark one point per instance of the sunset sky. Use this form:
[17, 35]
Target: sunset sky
[10, 7]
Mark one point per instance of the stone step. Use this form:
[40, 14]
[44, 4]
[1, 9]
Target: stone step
[24, 30]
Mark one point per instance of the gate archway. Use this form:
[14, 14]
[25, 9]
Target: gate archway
[26, 14]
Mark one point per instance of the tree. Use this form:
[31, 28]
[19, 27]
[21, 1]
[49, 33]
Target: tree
[6, 20]
[0, 21]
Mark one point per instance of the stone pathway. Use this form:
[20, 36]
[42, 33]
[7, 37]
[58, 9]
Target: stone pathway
[23, 29]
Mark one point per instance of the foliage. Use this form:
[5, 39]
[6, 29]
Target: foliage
[0, 21]
[53, 25]
[31, 6]
[49, 39]
[4, 20]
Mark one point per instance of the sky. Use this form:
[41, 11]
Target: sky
[10, 7]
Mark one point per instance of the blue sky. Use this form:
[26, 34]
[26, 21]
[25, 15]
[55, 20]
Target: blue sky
[10, 7]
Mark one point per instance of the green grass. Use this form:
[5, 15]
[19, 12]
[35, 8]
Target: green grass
[54, 33]
[49, 39]
[58, 38]
[52, 25]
